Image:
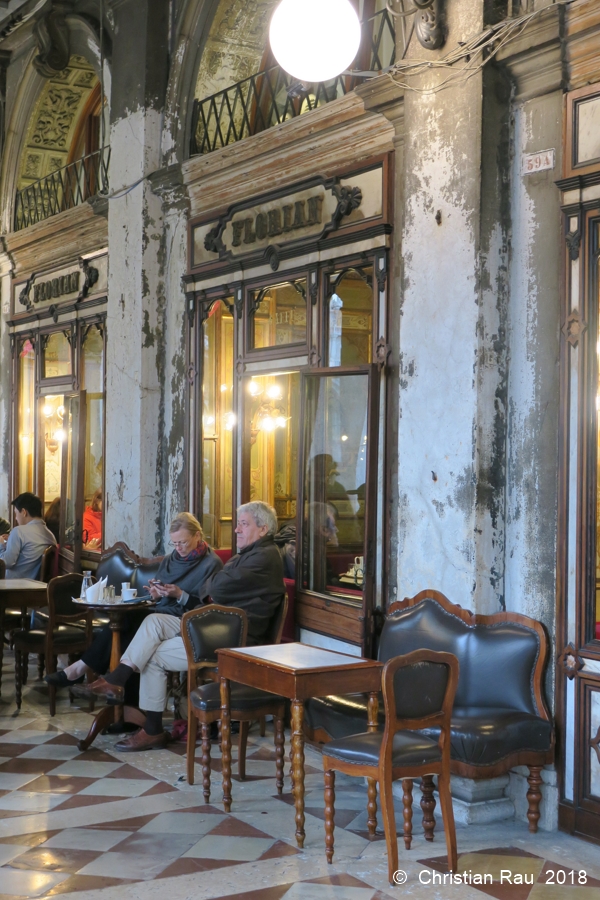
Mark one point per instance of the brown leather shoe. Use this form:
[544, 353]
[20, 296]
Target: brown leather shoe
[100, 688]
[142, 741]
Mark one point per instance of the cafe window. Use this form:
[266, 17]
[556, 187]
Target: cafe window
[218, 420]
[278, 314]
[56, 354]
[92, 382]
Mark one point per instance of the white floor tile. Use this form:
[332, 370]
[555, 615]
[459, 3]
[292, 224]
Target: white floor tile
[306, 891]
[24, 736]
[8, 852]
[29, 883]
[52, 751]
[86, 839]
[86, 769]
[217, 846]
[119, 787]
[10, 781]
[182, 823]
[126, 865]
[31, 801]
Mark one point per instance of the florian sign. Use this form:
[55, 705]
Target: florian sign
[282, 224]
[50, 291]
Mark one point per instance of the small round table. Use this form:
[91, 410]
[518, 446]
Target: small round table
[116, 611]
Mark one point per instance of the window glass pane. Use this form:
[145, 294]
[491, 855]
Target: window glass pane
[93, 383]
[57, 355]
[25, 425]
[273, 415]
[280, 314]
[51, 423]
[351, 317]
[335, 478]
[217, 424]
[71, 436]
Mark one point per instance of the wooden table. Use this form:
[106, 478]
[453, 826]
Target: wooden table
[296, 671]
[111, 713]
[24, 593]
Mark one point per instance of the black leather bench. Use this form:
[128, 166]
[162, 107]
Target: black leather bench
[500, 719]
[120, 564]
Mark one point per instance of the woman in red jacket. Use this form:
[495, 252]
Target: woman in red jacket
[92, 522]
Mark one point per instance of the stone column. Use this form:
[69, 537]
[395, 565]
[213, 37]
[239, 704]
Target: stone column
[135, 384]
[439, 344]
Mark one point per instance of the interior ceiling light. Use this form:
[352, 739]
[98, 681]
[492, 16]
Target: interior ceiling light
[314, 40]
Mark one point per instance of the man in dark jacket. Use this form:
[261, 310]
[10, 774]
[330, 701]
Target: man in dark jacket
[251, 580]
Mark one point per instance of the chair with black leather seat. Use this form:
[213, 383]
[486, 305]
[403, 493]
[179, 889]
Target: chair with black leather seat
[418, 693]
[64, 632]
[47, 564]
[246, 705]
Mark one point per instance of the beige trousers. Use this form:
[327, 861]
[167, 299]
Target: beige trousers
[156, 649]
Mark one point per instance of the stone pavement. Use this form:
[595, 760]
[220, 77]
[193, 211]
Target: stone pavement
[102, 825]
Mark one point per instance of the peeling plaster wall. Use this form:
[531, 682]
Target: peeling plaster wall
[532, 499]
[438, 335]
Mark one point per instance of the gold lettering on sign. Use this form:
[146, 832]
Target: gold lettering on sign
[280, 220]
[56, 287]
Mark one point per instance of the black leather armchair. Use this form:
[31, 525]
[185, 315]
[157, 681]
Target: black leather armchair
[500, 719]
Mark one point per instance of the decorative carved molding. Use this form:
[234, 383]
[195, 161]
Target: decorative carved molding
[90, 277]
[595, 744]
[239, 367]
[24, 295]
[239, 302]
[314, 357]
[570, 662]
[192, 374]
[212, 241]
[574, 328]
[349, 199]
[382, 352]
[272, 256]
[51, 33]
[573, 239]
[429, 24]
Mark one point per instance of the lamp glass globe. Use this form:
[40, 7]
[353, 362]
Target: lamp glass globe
[314, 40]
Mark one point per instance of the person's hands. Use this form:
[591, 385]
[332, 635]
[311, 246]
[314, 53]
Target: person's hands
[94, 544]
[171, 590]
[153, 591]
[4, 538]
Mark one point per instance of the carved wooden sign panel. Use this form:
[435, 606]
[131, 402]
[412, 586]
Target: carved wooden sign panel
[47, 290]
[312, 211]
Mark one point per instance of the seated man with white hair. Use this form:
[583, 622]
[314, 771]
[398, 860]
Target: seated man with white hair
[252, 580]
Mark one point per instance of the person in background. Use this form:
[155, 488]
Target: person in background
[23, 548]
[92, 522]
[4, 527]
[52, 517]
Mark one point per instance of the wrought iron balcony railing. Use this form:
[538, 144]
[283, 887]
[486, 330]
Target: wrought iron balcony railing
[63, 189]
[272, 96]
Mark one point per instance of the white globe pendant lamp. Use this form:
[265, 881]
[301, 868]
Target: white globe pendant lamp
[314, 40]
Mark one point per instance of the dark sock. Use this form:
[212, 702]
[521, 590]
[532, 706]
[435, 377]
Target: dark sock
[153, 724]
[120, 675]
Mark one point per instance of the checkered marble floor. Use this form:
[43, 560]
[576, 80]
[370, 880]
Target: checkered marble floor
[103, 825]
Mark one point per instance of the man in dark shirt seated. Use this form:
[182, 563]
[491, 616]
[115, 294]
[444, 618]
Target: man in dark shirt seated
[252, 580]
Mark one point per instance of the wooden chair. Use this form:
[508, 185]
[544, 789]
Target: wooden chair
[247, 704]
[418, 693]
[64, 633]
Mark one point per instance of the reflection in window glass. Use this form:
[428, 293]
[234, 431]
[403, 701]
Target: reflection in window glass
[351, 316]
[57, 355]
[272, 404]
[218, 420]
[25, 426]
[280, 314]
[335, 484]
[51, 424]
[93, 384]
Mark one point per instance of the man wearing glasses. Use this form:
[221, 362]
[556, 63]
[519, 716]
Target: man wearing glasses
[251, 580]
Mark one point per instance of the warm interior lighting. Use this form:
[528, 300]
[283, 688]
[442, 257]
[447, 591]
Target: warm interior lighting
[274, 392]
[254, 389]
[344, 437]
[314, 40]
[229, 421]
[59, 435]
[47, 411]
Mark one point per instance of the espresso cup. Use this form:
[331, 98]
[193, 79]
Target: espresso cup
[359, 562]
[125, 585]
[128, 593]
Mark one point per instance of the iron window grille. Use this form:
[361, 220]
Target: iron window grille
[272, 96]
[63, 189]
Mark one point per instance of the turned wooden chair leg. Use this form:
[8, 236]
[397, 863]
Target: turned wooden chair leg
[372, 806]
[242, 744]
[407, 802]
[24, 667]
[329, 813]
[206, 761]
[18, 678]
[279, 752]
[428, 806]
[191, 745]
[386, 798]
[534, 797]
[448, 819]
[41, 662]
[262, 722]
